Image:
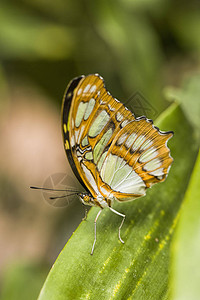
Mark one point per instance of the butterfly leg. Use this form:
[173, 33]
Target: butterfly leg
[123, 216]
[86, 213]
[95, 230]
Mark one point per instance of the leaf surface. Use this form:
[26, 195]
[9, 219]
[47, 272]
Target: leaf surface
[186, 246]
[139, 268]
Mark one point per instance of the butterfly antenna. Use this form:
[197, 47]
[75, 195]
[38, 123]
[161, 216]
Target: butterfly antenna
[63, 196]
[56, 190]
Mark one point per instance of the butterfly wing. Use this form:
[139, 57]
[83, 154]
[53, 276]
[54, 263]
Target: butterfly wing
[67, 100]
[111, 152]
[137, 158]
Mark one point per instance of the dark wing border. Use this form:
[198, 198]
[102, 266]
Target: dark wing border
[67, 100]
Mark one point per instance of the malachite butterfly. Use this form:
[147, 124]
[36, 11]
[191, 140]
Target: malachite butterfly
[114, 155]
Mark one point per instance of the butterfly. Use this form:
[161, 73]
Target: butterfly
[114, 155]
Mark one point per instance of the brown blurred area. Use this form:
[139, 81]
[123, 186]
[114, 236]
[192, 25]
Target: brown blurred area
[137, 46]
[31, 229]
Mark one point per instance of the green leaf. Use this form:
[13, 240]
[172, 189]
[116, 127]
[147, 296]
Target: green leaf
[139, 268]
[186, 246]
[27, 36]
[186, 27]
[188, 96]
[22, 281]
[118, 28]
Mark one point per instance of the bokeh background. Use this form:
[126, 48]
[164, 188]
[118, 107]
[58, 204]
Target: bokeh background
[141, 47]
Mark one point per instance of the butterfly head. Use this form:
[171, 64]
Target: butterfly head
[87, 199]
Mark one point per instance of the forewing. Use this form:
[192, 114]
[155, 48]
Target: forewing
[90, 123]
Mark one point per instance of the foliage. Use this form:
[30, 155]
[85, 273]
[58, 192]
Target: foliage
[22, 281]
[139, 268]
[186, 260]
[188, 96]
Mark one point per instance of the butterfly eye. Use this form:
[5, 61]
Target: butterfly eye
[86, 198]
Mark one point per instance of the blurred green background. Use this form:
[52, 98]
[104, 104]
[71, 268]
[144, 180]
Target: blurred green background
[137, 46]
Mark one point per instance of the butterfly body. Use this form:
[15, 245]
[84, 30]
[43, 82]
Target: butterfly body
[114, 155]
[99, 201]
